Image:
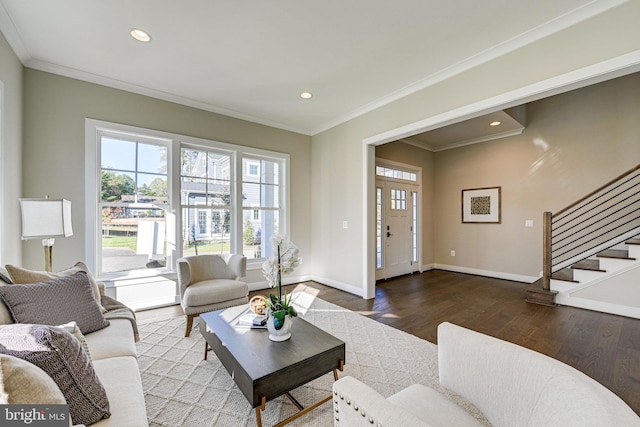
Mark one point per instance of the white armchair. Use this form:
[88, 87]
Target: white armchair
[511, 385]
[211, 282]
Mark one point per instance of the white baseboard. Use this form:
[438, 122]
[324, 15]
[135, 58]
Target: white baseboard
[486, 273]
[604, 307]
[338, 285]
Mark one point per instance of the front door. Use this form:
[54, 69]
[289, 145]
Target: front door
[398, 206]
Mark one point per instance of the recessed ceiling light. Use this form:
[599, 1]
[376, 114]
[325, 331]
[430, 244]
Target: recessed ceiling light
[140, 35]
[496, 123]
[306, 95]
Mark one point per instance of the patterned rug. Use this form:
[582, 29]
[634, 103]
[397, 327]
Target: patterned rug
[182, 389]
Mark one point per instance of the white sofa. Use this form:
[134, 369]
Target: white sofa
[511, 385]
[114, 358]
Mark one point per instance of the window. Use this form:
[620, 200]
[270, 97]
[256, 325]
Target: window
[396, 173]
[379, 204]
[205, 198]
[133, 198]
[398, 199]
[261, 205]
[253, 169]
[161, 196]
[414, 226]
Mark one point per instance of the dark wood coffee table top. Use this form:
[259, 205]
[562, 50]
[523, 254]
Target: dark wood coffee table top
[263, 368]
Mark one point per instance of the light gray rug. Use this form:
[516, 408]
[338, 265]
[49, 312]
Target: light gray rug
[182, 389]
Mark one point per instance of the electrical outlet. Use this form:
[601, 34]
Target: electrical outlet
[453, 253]
[345, 224]
[528, 223]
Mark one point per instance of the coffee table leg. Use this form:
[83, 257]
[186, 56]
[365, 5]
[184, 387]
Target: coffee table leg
[301, 409]
[260, 408]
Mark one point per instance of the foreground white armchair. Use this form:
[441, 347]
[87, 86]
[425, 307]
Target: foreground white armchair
[511, 385]
[211, 282]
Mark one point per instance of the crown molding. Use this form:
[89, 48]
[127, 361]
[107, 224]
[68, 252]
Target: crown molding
[466, 142]
[153, 93]
[580, 14]
[559, 23]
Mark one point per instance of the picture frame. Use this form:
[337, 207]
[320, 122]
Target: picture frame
[482, 205]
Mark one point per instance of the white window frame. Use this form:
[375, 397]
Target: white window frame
[94, 129]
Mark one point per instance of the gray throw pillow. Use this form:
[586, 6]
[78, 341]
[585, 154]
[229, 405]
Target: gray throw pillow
[60, 355]
[54, 302]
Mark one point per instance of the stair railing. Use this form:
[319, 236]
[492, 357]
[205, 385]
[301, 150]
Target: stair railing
[599, 220]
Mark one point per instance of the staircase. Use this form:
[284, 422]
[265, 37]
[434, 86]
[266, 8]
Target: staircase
[591, 251]
[602, 282]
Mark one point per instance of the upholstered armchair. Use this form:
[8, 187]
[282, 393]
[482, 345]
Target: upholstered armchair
[211, 282]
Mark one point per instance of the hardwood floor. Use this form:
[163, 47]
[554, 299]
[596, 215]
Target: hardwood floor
[606, 347]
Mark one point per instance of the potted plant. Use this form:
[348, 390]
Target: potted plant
[280, 311]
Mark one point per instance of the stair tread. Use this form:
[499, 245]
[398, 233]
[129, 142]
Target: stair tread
[615, 253]
[588, 264]
[566, 275]
[634, 241]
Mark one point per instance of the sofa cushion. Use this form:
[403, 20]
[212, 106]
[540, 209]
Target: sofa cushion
[25, 276]
[214, 291]
[432, 407]
[22, 382]
[55, 302]
[60, 355]
[116, 340]
[121, 379]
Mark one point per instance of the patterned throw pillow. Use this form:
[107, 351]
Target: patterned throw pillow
[55, 302]
[60, 355]
[20, 275]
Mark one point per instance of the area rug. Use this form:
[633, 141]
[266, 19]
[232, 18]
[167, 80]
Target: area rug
[182, 389]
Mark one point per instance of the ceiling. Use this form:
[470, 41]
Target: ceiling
[251, 59]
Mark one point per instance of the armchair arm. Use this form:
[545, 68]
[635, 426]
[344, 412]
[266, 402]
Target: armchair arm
[184, 274]
[238, 265]
[352, 399]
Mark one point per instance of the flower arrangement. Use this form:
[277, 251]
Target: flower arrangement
[284, 260]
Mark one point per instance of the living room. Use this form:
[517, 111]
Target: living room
[43, 152]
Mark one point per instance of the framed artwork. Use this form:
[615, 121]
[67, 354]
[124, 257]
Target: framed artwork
[481, 205]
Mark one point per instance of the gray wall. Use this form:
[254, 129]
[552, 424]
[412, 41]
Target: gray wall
[341, 161]
[573, 143]
[54, 140]
[11, 155]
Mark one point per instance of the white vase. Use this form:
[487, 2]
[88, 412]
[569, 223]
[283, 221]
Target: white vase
[281, 334]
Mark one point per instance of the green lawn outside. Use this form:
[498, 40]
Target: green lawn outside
[131, 242]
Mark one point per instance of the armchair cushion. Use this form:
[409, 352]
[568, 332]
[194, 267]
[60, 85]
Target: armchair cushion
[213, 291]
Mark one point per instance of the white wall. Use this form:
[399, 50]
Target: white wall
[11, 167]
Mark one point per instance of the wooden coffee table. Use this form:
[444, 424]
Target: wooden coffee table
[263, 369]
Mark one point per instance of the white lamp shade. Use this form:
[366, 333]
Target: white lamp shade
[45, 218]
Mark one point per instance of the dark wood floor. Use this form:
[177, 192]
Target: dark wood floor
[605, 347]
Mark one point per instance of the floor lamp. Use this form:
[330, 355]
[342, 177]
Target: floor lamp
[46, 219]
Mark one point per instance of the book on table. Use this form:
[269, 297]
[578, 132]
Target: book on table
[252, 320]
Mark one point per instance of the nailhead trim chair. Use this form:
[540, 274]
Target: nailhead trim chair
[211, 282]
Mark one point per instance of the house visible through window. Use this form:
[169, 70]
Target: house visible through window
[133, 199]
[228, 198]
